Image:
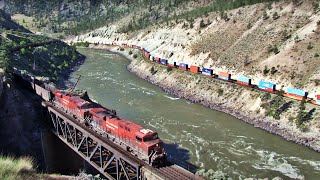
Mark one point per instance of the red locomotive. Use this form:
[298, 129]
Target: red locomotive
[141, 142]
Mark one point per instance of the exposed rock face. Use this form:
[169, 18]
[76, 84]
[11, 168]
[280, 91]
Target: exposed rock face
[276, 42]
[20, 119]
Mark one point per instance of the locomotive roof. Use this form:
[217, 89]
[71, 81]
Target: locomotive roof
[78, 101]
[134, 128]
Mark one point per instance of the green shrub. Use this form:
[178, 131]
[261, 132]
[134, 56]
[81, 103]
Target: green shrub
[153, 71]
[275, 15]
[23, 43]
[130, 52]
[121, 49]
[265, 96]
[220, 92]
[266, 70]
[169, 68]
[265, 16]
[273, 70]
[23, 51]
[249, 25]
[280, 92]
[135, 56]
[304, 127]
[202, 24]
[82, 44]
[275, 50]
[291, 119]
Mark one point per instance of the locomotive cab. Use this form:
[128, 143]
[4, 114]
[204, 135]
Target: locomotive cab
[153, 145]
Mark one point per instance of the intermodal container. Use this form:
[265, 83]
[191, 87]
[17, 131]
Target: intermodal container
[318, 97]
[151, 58]
[137, 47]
[294, 96]
[268, 86]
[124, 44]
[195, 69]
[164, 61]
[157, 59]
[171, 63]
[148, 55]
[297, 92]
[114, 43]
[318, 101]
[224, 76]
[244, 81]
[183, 66]
[207, 72]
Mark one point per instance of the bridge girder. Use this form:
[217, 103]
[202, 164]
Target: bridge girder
[101, 155]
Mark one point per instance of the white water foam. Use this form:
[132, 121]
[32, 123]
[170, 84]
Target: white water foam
[272, 161]
[314, 164]
[172, 98]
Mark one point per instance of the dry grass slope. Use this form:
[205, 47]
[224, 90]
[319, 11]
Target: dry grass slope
[16, 168]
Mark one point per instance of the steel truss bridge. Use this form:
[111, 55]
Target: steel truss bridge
[109, 159]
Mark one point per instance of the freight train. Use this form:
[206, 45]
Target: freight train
[225, 76]
[139, 141]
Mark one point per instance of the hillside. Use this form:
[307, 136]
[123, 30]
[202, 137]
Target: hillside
[75, 17]
[21, 121]
[275, 42]
[49, 60]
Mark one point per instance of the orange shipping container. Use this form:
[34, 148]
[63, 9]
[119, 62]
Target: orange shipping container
[194, 69]
[224, 74]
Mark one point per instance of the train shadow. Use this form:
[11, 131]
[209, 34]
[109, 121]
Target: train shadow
[179, 156]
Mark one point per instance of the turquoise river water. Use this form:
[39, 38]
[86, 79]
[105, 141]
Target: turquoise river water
[204, 137]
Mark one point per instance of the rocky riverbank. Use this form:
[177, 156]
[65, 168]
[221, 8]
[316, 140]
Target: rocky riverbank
[240, 102]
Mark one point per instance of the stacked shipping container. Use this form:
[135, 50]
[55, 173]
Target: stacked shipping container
[318, 99]
[183, 66]
[171, 63]
[296, 93]
[147, 55]
[224, 76]
[267, 86]
[157, 59]
[164, 62]
[207, 72]
[244, 81]
[195, 69]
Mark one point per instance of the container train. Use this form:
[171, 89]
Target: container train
[270, 87]
[139, 141]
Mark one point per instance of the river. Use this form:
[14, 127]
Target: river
[204, 137]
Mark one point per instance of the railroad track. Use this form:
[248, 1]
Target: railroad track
[170, 171]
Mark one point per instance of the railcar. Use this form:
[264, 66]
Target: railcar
[141, 142]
